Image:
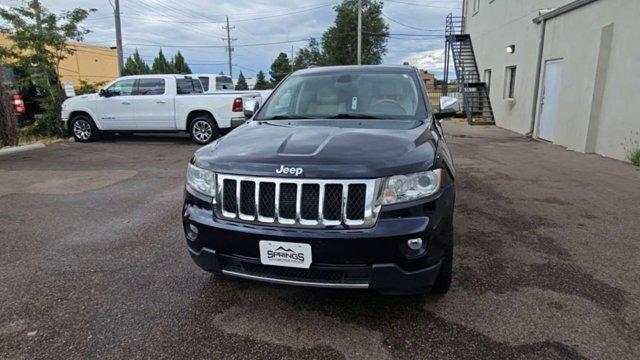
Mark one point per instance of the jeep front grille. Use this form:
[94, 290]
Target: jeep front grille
[298, 202]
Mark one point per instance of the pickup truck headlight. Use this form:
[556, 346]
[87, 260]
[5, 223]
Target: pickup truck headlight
[401, 188]
[201, 180]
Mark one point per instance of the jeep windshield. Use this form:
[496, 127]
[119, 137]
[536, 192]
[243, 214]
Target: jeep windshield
[347, 94]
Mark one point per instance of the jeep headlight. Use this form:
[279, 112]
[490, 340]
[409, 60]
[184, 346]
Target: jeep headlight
[202, 180]
[401, 188]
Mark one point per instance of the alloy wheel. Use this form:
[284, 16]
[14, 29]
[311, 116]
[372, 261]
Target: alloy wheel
[202, 131]
[82, 129]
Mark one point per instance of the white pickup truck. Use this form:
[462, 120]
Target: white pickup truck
[214, 84]
[155, 103]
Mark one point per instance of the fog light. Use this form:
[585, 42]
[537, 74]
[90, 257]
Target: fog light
[414, 244]
[192, 232]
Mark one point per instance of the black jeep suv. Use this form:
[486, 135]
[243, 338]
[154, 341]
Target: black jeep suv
[342, 179]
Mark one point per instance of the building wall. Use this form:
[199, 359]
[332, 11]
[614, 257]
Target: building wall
[495, 26]
[91, 63]
[600, 69]
[601, 75]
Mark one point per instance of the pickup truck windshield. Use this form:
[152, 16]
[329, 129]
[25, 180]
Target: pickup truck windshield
[347, 95]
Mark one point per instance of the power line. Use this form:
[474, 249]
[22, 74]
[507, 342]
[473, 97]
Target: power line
[221, 46]
[423, 5]
[409, 26]
[241, 20]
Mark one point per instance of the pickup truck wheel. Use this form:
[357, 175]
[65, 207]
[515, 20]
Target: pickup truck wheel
[83, 128]
[443, 281]
[203, 130]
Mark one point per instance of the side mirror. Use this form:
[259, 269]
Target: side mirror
[250, 108]
[449, 107]
[104, 93]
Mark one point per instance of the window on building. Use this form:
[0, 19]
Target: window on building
[150, 87]
[510, 82]
[476, 6]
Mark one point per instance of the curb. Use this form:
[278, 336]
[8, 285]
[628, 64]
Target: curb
[18, 149]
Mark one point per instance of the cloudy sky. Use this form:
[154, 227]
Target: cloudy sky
[262, 29]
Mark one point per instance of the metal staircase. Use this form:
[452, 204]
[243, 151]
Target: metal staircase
[475, 95]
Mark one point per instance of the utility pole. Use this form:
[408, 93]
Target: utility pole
[291, 61]
[229, 48]
[359, 32]
[116, 14]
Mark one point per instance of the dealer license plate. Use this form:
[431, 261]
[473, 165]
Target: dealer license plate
[285, 254]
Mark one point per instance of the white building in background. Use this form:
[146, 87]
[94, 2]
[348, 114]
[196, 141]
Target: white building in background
[566, 71]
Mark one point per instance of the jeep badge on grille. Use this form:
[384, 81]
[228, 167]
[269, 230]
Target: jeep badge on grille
[289, 170]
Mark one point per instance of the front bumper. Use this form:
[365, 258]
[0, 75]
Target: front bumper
[386, 278]
[64, 115]
[374, 258]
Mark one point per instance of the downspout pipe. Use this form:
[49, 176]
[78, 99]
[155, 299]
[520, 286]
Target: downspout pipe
[536, 86]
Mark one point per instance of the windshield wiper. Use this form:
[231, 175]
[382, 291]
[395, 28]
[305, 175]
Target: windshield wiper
[353, 116]
[289, 117]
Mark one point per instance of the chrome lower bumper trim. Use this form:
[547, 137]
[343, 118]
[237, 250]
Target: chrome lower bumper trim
[295, 282]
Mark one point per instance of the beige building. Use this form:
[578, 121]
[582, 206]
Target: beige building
[429, 79]
[91, 63]
[566, 71]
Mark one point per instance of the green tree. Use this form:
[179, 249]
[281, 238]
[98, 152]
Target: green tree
[309, 56]
[8, 121]
[242, 83]
[280, 68]
[261, 82]
[87, 88]
[161, 65]
[135, 65]
[39, 42]
[180, 65]
[339, 42]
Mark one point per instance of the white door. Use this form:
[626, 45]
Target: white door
[116, 112]
[550, 99]
[152, 105]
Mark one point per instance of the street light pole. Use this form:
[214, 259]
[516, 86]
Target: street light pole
[359, 32]
[116, 13]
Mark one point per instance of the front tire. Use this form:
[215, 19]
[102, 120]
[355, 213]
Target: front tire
[203, 130]
[443, 281]
[84, 129]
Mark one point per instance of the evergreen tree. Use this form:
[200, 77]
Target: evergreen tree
[180, 65]
[280, 68]
[309, 56]
[135, 65]
[161, 65]
[339, 42]
[242, 83]
[261, 82]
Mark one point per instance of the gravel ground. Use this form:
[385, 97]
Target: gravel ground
[93, 264]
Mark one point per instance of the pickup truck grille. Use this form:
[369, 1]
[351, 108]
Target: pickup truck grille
[297, 202]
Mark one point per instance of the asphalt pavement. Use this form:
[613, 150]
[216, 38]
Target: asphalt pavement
[93, 264]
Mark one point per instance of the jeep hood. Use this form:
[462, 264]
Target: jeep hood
[323, 148]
